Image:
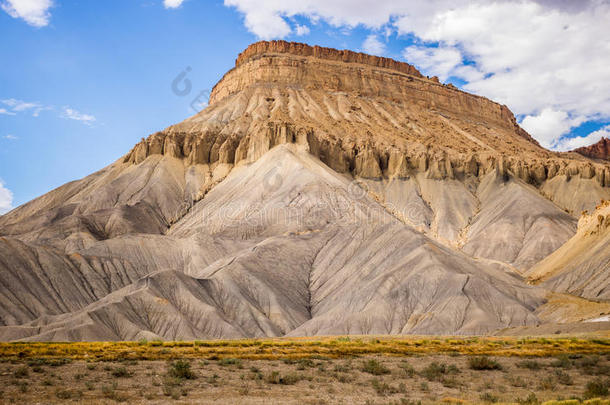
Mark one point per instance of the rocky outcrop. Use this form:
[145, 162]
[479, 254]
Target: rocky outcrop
[344, 56]
[361, 158]
[599, 150]
[320, 192]
[582, 265]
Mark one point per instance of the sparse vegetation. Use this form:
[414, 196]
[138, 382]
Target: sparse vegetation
[120, 372]
[287, 379]
[181, 369]
[596, 388]
[377, 379]
[531, 399]
[489, 397]
[68, 394]
[483, 363]
[435, 371]
[374, 367]
[529, 364]
[57, 354]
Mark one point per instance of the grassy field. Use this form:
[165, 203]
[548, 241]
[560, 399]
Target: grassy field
[281, 348]
[333, 370]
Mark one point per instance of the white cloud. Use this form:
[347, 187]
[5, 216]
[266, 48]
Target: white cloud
[10, 137]
[72, 114]
[531, 55]
[549, 126]
[441, 61]
[18, 106]
[172, 3]
[34, 12]
[301, 30]
[6, 199]
[566, 144]
[373, 45]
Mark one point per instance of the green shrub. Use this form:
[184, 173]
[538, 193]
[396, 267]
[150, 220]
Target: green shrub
[382, 388]
[434, 371]
[529, 364]
[596, 388]
[21, 372]
[563, 377]
[407, 369]
[374, 367]
[230, 362]
[68, 394]
[276, 378]
[483, 363]
[181, 369]
[562, 361]
[121, 372]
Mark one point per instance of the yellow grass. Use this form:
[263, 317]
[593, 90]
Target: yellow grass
[294, 348]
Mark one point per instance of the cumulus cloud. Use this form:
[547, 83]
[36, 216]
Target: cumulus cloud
[6, 199]
[33, 12]
[301, 30]
[373, 45]
[434, 61]
[535, 56]
[73, 114]
[550, 126]
[566, 144]
[172, 3]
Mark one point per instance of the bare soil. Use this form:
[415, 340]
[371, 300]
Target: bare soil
[361, 380]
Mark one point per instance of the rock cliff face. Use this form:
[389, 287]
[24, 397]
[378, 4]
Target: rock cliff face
[581, 266]
[599, 150]
[372, 117]
[320, 192]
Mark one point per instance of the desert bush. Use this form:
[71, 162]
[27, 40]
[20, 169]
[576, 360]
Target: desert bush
[288, 379]
[21, 372]
[180, 369]
[529, 364]
[374, 367]
[586, 362]
[382, 388]
[343, 368]
[489, 397]
[516, 381]
[547, 384]
[110, 392]
[562, 361]
[434, 371]
[68, 394]
[450, 382]
[596, 388]
[483, 363]
[563, 377]
[230, 362]
[531, 399]
[407, 369]
[120, 372]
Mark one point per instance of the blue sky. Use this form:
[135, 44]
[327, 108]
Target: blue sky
[82, 82]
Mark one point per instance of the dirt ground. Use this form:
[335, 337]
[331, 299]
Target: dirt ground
[362, 380]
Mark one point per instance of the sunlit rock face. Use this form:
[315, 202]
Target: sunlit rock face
[320, 192]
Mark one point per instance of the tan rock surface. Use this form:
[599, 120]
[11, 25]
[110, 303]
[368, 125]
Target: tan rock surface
[321, 192]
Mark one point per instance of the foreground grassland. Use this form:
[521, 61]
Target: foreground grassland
[337, 370]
